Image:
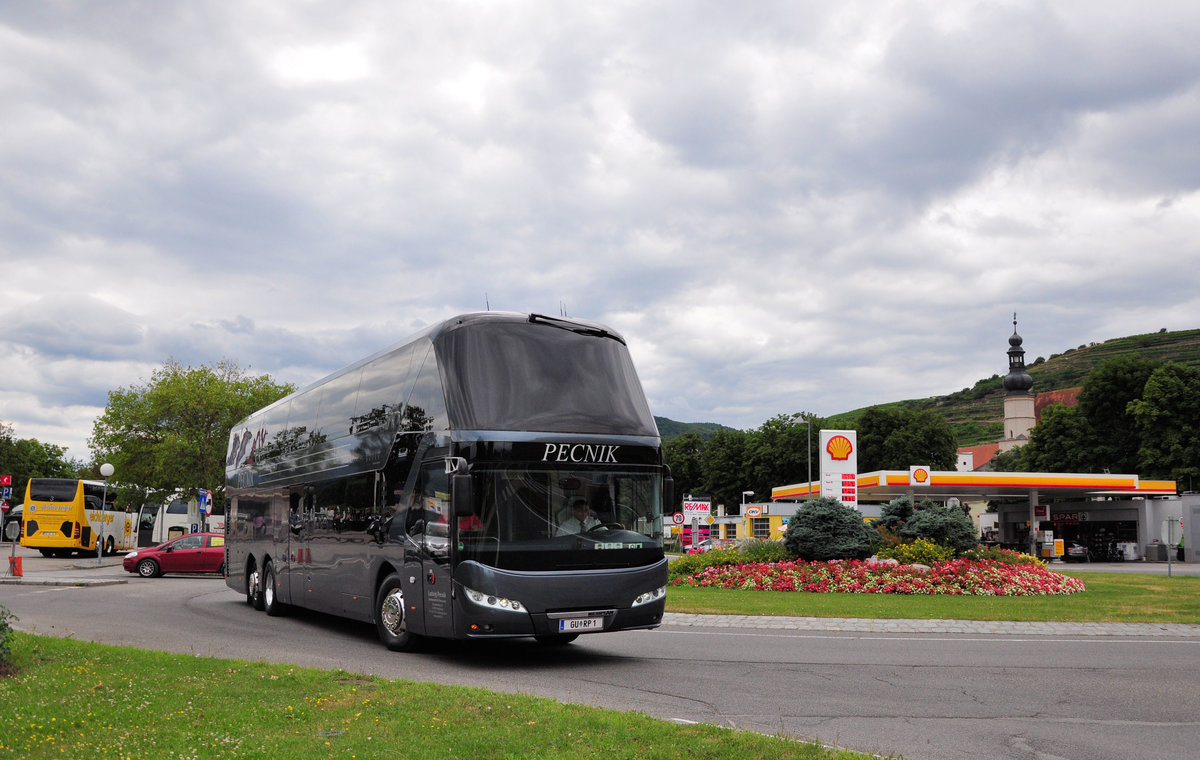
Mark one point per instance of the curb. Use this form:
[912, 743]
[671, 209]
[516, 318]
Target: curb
[985, 627]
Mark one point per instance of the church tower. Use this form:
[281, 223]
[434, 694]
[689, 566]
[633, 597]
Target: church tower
[1018, 401]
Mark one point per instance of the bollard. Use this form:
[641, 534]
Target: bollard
[14, 567]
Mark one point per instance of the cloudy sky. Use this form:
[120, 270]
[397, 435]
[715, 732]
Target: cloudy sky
[783, 206]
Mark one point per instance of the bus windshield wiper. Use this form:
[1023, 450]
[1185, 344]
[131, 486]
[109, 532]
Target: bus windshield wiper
[575, 327]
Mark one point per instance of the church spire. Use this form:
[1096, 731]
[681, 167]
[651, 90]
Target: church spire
[1017, 381]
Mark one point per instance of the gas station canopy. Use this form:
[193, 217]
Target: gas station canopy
[886, 485]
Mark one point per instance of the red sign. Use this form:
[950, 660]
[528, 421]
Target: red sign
[5, 480]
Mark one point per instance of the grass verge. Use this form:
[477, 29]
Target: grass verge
[1110, 597]
[75, 699]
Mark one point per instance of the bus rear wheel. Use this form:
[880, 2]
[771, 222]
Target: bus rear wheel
[254, 595]
[271, 604]
[391, 619]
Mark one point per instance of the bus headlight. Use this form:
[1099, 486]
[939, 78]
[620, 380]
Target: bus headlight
[491, 601]
[650, 596]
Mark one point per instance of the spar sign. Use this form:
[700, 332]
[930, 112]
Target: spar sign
[697, 509]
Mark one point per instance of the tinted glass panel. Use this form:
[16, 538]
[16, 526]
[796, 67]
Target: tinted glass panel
[539, 377]
[303, 417]
[545, 519]
[426, 407]
[53, 489]
[381, 392]
[337, 405]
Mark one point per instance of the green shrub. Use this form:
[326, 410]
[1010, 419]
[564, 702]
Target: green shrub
[758, 550]
[825, 529]
[1007, 556]
[690, 564]
[919, 552]
[947, 526]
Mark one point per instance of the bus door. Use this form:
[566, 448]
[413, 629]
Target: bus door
[427, 562]
[301, 519]
[147, 519]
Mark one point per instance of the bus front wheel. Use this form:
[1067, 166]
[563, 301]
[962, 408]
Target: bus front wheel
[391, 619]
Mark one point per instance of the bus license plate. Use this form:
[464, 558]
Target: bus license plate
[571, 625]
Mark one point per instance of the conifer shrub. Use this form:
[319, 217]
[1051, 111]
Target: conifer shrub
[825, 529]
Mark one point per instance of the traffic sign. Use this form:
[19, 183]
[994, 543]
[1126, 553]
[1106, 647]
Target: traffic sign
[5, 480]
[677, 518]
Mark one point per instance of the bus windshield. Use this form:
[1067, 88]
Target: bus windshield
[563, 519]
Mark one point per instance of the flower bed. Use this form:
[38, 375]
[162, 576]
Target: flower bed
[960, 577]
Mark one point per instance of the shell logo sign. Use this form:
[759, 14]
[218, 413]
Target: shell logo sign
[918, 476]
[839, 466]
[839, 448]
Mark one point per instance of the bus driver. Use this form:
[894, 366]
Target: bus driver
[580, 521]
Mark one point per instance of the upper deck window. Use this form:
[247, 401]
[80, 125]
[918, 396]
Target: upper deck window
[537, 377]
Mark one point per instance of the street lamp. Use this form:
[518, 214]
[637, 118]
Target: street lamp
[106, 471]
[743, 515]
[807, 450]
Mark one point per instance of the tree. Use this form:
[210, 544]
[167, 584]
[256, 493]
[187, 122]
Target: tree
[1168, 419]
[723, 465]
[894, 439]
[1104, 404]
[777, 453]
[682, 455]
[1063, 441]
[824, 529]
[25, 458]
[173, 432]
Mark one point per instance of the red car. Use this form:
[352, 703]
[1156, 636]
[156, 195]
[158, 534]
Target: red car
[193, 553]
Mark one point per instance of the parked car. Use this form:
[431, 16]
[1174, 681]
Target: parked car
[1077, 552]
[12, 515]
[708, 544]
[193, 553]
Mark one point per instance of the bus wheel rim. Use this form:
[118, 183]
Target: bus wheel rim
[391, 611]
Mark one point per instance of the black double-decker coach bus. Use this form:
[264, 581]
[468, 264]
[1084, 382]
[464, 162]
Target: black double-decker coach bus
[496, 475]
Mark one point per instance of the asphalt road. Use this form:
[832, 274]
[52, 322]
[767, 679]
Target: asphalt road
[926, 696]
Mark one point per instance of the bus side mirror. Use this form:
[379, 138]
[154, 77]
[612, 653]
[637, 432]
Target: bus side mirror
[668, 492]
[462, 504]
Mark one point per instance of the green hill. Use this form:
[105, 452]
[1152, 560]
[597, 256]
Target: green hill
[977, 414]
[670, 428]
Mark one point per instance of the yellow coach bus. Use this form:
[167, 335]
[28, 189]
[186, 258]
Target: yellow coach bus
[65, 516]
